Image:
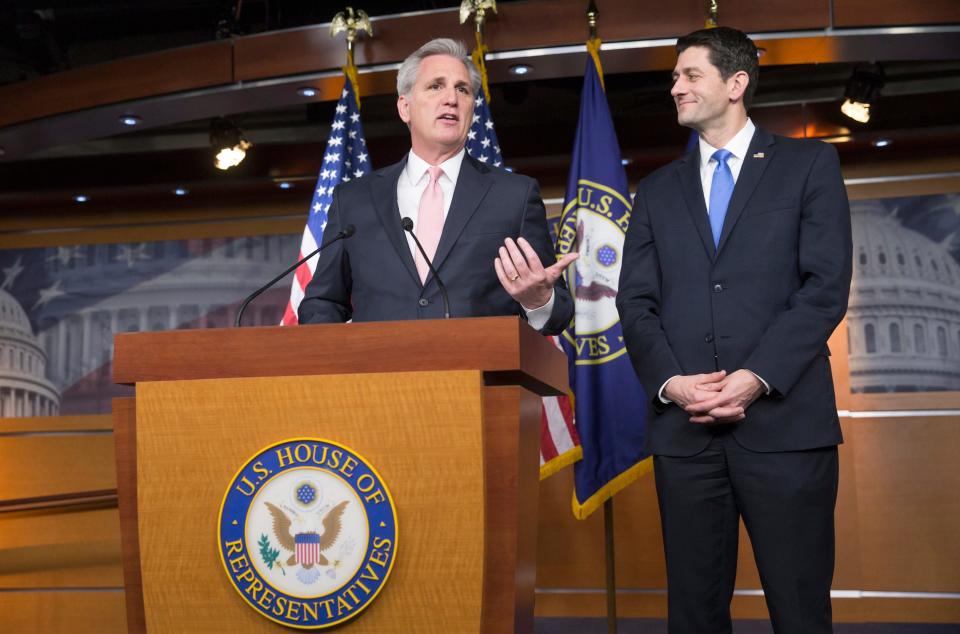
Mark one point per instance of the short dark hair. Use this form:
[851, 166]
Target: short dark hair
[730, 51]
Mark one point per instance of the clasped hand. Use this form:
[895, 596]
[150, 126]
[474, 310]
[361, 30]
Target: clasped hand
[523, 276]
[716, 397]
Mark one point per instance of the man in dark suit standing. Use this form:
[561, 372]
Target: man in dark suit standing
[736, 271]
[483, 227]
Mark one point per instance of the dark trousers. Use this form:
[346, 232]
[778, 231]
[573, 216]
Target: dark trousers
[786, 500]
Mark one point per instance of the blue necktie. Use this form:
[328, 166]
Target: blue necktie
[721, 190]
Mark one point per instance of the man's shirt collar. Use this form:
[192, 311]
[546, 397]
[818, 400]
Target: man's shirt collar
[737, 146]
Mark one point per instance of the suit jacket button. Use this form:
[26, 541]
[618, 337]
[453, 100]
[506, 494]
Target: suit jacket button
[423, 301]
[708, 339]
[717, 288]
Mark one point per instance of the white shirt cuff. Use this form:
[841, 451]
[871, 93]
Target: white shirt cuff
[538, 317]
[766, 386]
[664, 399]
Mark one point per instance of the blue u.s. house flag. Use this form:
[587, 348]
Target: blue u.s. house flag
[610, 403]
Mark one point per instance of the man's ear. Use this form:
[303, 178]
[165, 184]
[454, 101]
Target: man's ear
[403, 108]
[737, 85]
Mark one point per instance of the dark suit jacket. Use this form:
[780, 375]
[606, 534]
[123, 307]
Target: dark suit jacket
[767, 299]
[372, 277]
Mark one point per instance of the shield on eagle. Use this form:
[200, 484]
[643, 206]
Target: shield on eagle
[307, 548]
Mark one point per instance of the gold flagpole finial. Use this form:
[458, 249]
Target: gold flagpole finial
[712, 22]
[353, 22]
[593, 15]
[479, 9]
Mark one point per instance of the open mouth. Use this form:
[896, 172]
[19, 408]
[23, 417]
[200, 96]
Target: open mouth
[449, 117]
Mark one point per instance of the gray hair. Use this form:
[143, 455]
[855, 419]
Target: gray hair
[407, 75]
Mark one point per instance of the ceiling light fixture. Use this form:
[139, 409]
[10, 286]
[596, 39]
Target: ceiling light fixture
[881, 142]
[228, 142]
[863, 88]
[307, 91]
[520, 69]
[80, 198]
[285, 185]
[181, 191]
[130, 120]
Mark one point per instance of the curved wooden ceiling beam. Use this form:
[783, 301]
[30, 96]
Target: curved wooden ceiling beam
[263, 71]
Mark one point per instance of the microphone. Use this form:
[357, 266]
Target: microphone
[407, 225]
[344, 233]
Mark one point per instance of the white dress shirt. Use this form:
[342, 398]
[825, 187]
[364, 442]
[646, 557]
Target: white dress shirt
[738, 147]
[410, 186]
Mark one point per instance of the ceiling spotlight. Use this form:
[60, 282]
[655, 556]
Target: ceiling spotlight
[284, 185]
[80, 198]
[130, 119]
[181, 191]
[880, 142]
[307, 91]
[520, 69]
[626, 161]
[863, 88]
[228, 142]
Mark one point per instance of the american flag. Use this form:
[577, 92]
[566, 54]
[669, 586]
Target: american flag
[482, 141]
[345, 158]
[559, 443]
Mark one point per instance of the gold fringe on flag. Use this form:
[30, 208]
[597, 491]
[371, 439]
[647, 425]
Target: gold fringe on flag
[477, 56]
[350, 72]
[593, 47]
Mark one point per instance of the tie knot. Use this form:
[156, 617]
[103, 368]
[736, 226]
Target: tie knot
[435, 173]
[721, 156]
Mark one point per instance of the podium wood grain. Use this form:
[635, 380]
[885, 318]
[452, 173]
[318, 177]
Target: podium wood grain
[422, 431]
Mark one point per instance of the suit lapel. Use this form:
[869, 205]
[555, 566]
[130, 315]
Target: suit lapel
[692, 188]
[383, 188]
[754, 164]
[472, 185]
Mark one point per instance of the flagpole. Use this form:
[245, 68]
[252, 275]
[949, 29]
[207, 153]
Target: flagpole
[611, 566]
[593, 16]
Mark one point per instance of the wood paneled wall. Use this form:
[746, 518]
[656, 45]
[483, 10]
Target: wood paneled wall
[59, 566]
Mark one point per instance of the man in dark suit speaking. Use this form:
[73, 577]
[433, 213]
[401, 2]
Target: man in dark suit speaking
[484, 228]
[736, 271]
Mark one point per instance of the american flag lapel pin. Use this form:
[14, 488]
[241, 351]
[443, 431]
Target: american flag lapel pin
[758, 155]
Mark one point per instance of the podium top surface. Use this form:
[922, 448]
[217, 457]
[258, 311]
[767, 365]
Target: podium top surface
[506, 349]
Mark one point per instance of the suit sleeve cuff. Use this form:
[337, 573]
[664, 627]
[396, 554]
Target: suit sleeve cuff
[538, 317]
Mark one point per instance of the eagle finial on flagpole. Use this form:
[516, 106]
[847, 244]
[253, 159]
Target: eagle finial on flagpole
[353, 23]
[593, 16]
[712, 21]
[479, 9]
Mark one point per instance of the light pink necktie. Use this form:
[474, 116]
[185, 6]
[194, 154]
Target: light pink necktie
[429, 221]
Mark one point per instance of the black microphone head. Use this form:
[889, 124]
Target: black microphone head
[348, 231]
[406, 223]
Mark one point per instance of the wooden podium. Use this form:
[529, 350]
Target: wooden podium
[447, 411]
